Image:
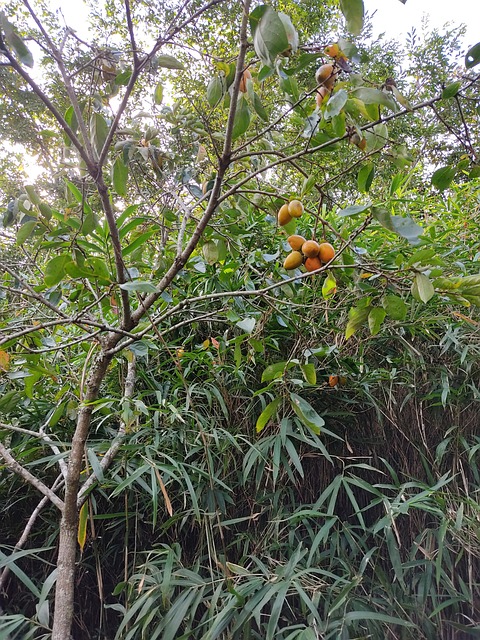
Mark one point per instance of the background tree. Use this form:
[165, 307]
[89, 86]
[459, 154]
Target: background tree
[171, 390]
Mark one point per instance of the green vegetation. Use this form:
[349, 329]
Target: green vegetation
[195, 442]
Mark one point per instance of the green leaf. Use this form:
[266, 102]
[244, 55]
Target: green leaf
[309, 372]
[336, 104]
[82, 526]
[442, 177]
[307, 414]
[14, 40]
[329, 286]
[139, 285]
[365, 177]
[119, 176]
[169, 62]
[32, 195]
[98, 131]
[266, 414]
[215, 91]
[55, 269]
[354, 210]
[353, 10]
[377, 137]
[158, 93]
[404, 227]
[451, 90]
[247, 324]
[395, 307]
[25, 231]
[375, 319]
[374, 96]
[357, 316]
[274, 371]
[308, 184]
[270, 36]
[422, 288]
[259, 108]
[242, 118]
[473, 56]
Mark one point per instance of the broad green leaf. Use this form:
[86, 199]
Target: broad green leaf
[405, 227]
[422, 288]
[25, 231]
[169, 62]
[309, 372]
[139, 285]
[395, 307]
[442, 177]
[137, 243]
[329, 286]
[339, 125]
[270, 36]
[357, 317]
[375, 319]
[473, 56]
[335, 104]
[266, 414]
[16, 42]
[451, 90]
[307, 414]
[98, 131]
[158, 93]
[375, 96]
[365, 177]
[353, 10]
[308, 184]
[354, 210]
[55, 269]
[82, 526]
[120, 176]
[242, 118]
[215, 91]
[377, 137]
[210, 252]
[247, 324]
[259, 108]
[32, 195]
[276, 370]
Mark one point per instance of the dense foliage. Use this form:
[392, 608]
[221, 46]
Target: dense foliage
[197, 442]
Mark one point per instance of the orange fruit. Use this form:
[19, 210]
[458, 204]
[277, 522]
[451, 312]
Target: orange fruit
[246, 75]
[326, 252]
[295, 208]
[322, 94]
[326, 75]
[296, 242]
[333, 381]
[293, 260]
[310, 248]
[283, 216]
[312, 264]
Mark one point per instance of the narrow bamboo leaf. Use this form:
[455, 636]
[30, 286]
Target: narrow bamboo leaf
[353, 11]
[307, 414]
[97, 469]
[139, 285]
[266, 414]
[82, 526]
[169, 62]
[120, 176]
[158, 93]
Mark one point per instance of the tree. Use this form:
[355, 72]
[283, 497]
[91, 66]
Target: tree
[127, 240]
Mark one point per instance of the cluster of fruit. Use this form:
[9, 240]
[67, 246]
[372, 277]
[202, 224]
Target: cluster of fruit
[308, 252]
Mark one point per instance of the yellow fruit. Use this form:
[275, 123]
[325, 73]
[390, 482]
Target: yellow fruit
[326, 75]
[284, 216]
[296, 242]
[333, 381]
[310, 248]
[326, 252]
[293, 260]
[312, 264]
[180, 353]
[333, 50]
[322, 94]
[295, 208]
[243, 82]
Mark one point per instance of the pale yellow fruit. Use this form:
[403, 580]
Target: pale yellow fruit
[310, 248]
[284, 216]
[295, 208]
[322, 94]
[296, 242]
[293, 260]
[326, 75]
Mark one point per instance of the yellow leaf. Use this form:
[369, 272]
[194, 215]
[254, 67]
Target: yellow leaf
[4, 361]
[82, 526]
[206, 343]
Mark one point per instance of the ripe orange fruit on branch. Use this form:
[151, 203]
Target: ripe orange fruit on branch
[293, 260]
[326, 252]
[322, 94]
[296, 242]
[295, 208]
[310, 248]
[246, 75]
[326, 75]
[312, 264]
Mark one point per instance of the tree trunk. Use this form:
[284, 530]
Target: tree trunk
[67, 548]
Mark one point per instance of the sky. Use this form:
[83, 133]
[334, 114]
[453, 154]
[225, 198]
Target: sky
[395, 18]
